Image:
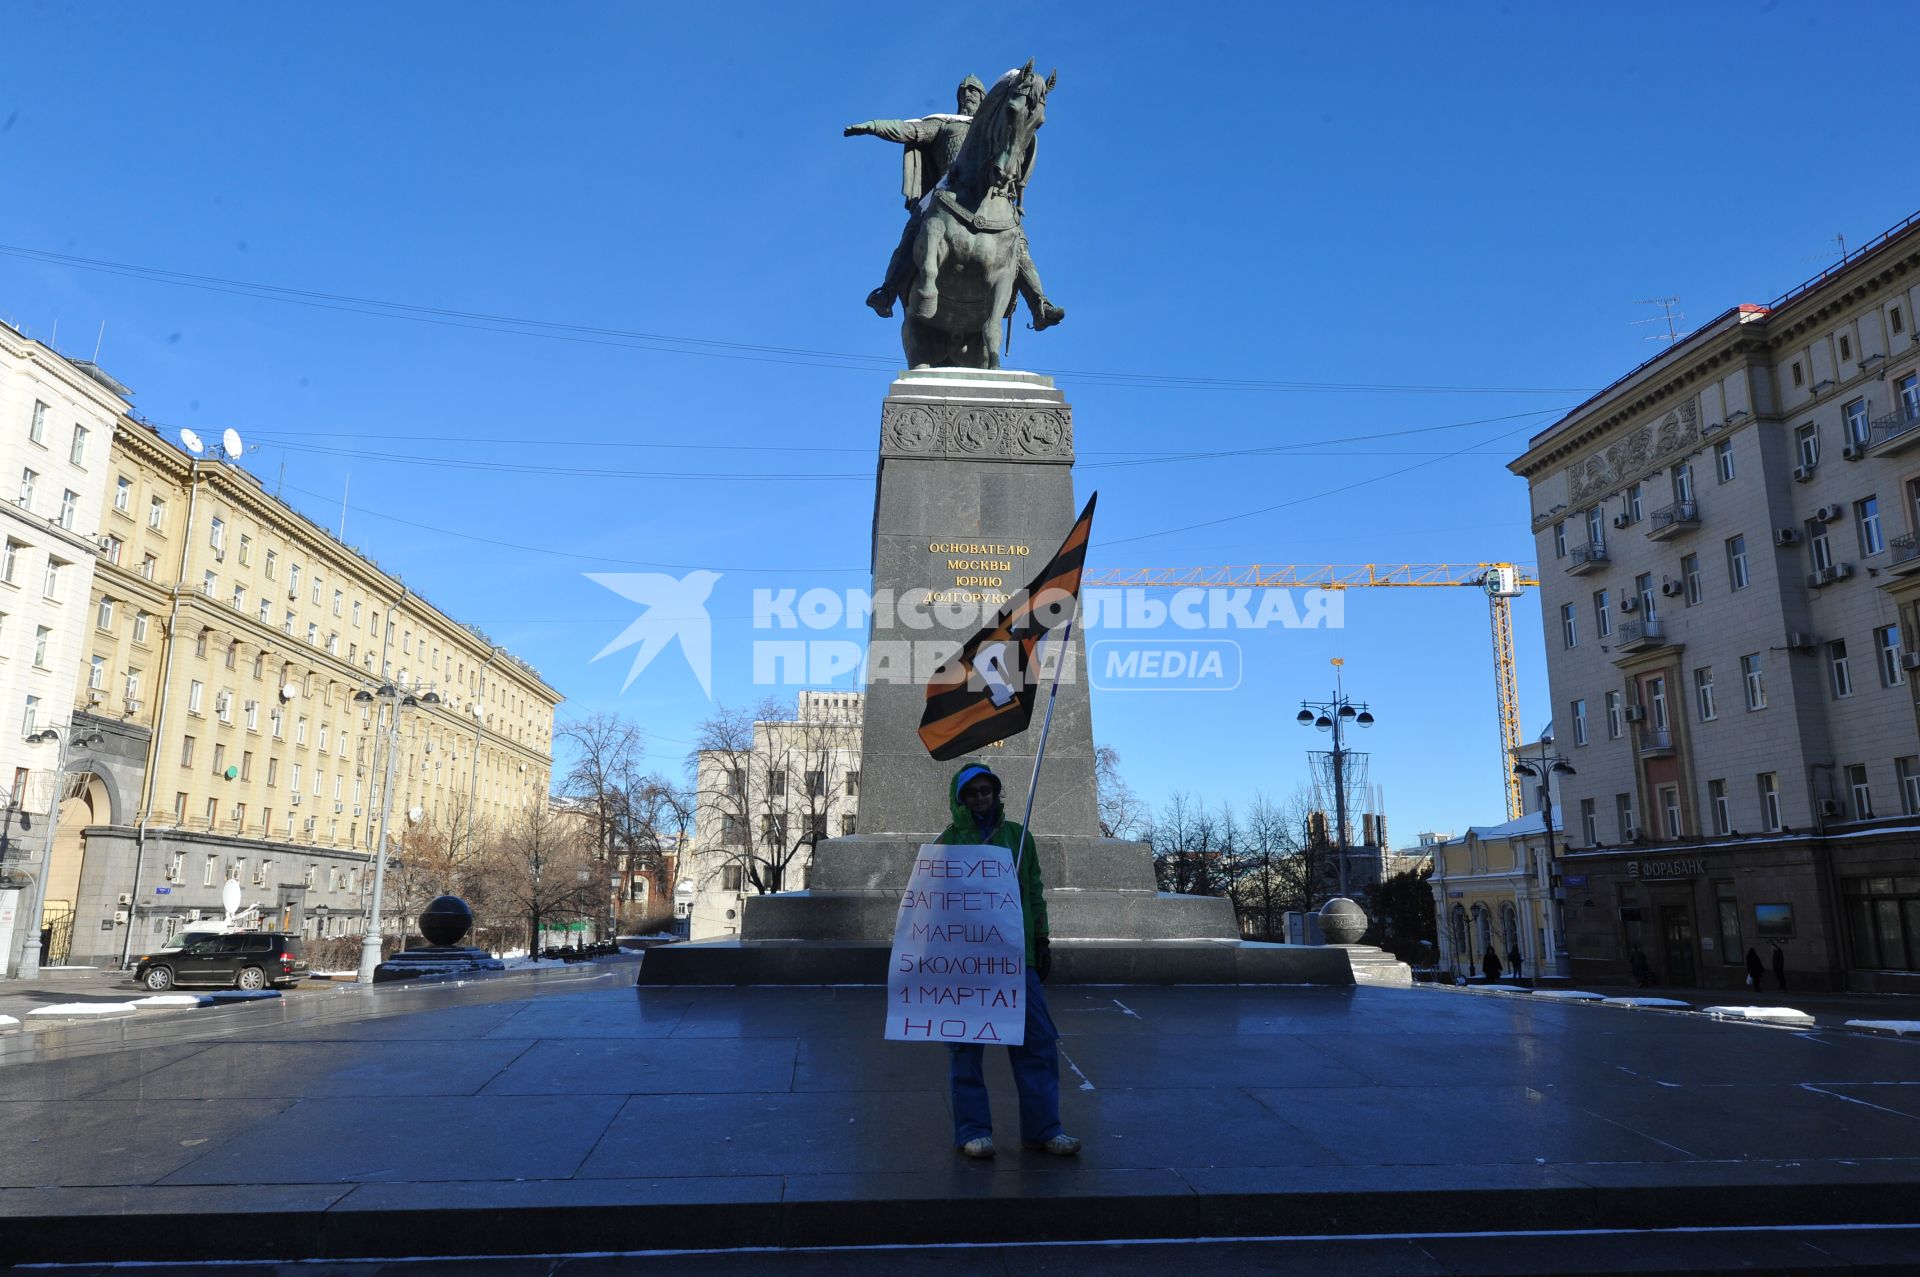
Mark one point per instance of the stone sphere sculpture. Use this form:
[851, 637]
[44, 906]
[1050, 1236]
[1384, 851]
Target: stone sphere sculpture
[1342, 921]
[446, 920]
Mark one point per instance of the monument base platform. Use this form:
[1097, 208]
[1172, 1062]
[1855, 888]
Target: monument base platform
[1374, 965]
[852, 962]
[449, 959]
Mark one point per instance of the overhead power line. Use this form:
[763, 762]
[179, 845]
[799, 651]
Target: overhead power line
[600, 335]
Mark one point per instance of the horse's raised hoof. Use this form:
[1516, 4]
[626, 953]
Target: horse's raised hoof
[880, 301]
[1048, 316]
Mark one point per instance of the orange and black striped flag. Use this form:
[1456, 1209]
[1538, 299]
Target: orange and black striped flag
[987, 692]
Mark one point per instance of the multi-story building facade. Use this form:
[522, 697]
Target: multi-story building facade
[1729, 541]
[56, 420]
[759, 810]
[227, 641]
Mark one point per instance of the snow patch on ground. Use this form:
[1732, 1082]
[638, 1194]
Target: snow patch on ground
[80, 1010]
[160, 1000]
[1768, 1015]
[1568, 995]
[1898, 1027]
[1647, 1004]
[1498, 988]
[8, 1022]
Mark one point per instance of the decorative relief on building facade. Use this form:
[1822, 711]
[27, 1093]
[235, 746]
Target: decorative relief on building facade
[1644, 448]
[1013, 431]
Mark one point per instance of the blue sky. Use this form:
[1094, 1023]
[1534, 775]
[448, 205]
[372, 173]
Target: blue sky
[1460, 195]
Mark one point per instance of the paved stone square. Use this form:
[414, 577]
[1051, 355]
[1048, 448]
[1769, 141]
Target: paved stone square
[579, 1113]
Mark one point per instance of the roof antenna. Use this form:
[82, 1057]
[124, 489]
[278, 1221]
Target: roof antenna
[1669, 315]
[97, 340]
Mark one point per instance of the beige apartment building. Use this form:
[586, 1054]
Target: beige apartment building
[759, 810]
[227, 640]
[1729, 542]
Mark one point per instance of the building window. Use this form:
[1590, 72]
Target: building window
[37, 428]
[1614, 718]
[122, 494]
[30, 717]
[156, 513]
[1589, 823]
[1602, 621]
[1657, 703]
[111, 548]
[1649, 600]
[103, 616]
[1560, 539]
[1737, 577]
[212, 870]
[1717, 801]
[1723, 460]
[1690, 578]
[1857, 430]
[1860, 791]
[1883, 919]
[78, 453]
[1623, 816]
[1819, 549]
[1910, 396]
[1866, 515]
[196, 691]
[1569, 630]
[1728, 910]
[1799, 377]
[1597, 527]
[1894, 316]
[10, 559]
[1841, 676]
[97, 674]
[186, 751]
[1906, 770]
[1580, 722]
[273, 564]
[148, 566]
[1683, 483]
[27, 479]
[1806, 444]
[69, 506]
[1754, 680]
[1886, 641]
[42, 637]
[219, 757]
[730, 877]
[1670, 810]
[1770, 802]
[1633, 504]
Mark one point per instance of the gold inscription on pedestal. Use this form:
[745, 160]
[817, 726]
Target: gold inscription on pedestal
[980, 570]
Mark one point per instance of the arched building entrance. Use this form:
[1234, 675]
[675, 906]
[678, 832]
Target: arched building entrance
[90, 803]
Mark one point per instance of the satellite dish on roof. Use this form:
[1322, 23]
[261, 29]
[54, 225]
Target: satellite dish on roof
[191, 442]
[416, 814]
[230, 444]
[288, 691]
[230, 897]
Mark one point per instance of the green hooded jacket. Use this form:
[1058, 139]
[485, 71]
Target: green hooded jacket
[963, 832]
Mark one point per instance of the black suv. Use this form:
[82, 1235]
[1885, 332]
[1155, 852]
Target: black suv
[243, 959]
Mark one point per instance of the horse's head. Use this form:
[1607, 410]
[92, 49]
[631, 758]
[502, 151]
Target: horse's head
[995, 154]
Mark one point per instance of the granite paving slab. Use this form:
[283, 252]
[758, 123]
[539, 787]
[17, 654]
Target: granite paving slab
[582, 1115]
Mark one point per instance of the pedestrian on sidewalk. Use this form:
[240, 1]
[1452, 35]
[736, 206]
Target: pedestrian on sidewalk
[1642, 973]
[980, 818]
[1514, 963]
[1779, 966]
[1756, 973]
[1490, 965]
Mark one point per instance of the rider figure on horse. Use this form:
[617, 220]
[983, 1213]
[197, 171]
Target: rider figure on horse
[930, 145]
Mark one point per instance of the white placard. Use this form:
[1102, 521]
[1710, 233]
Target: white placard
[958, 969]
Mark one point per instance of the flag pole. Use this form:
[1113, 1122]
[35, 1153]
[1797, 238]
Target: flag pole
[1066, 637]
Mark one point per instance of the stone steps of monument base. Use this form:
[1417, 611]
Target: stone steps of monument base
[1072, 915]
[1858, 1225]
[776, 962]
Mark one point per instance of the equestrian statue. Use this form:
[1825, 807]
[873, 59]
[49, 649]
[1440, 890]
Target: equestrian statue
[963, 255]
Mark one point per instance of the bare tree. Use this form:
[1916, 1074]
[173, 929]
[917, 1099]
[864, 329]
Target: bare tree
[441, 854]
[1264, 886]
[1188, 848]
[636, 820]
[1122, 814]
[542, 869]
[767, 785]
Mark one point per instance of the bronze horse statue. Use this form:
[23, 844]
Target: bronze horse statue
[967, 243]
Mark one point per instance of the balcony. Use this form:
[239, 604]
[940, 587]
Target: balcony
[1904, 554]
[1641, 635]
[1583, 559]
[1681, 516]
[1655, 742]
[1896, 432]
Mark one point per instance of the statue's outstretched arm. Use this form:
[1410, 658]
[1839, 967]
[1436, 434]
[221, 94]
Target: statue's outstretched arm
[910, 132]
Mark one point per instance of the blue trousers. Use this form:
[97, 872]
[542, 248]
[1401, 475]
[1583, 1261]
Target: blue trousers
[1036, 1076]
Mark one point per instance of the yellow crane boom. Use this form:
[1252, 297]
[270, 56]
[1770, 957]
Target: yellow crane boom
[1501, 582]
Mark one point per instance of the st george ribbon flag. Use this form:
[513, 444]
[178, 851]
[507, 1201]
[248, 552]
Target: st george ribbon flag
[958, 969]
[987, 692]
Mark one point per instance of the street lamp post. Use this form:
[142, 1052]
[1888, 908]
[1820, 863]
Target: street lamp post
[30, 951]
[1545, 769]
[1332, 716]
[395, 702]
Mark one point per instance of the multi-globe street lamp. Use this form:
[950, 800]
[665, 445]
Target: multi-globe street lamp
[30, 951]
[1333, 716]
[394, 700]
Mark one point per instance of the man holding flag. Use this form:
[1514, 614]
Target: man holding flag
[985, 694]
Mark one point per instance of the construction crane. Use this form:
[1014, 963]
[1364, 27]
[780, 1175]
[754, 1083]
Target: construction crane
[1501, 582]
